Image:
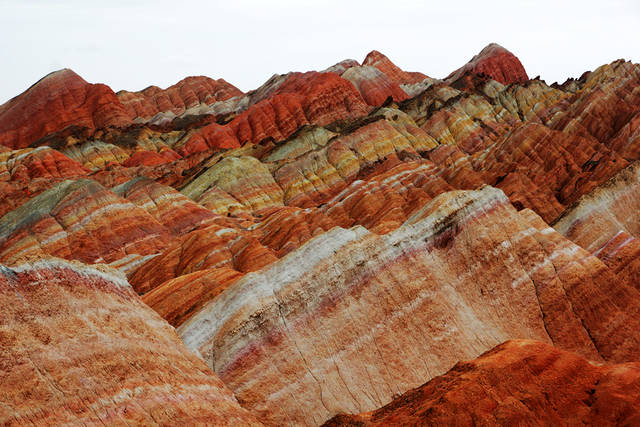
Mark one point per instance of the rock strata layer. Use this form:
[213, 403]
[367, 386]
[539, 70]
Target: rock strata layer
[79, 348]
[351, 319]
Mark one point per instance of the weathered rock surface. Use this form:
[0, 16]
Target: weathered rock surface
[235, 182]
[59, 100]
[392, 71]
[606, 223]
[187, 93]
[79, 348]
[517, 383]
[310, 239]
[497, 63]
[169, 207]
[351, 319]
[300, 99]
[79, 220]
[27, 172]
[373, 85]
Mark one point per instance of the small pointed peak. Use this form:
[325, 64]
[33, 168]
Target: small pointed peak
[62, 74]
[373, 57]
[492, 49]
[392, 71]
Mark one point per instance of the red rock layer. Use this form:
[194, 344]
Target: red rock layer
[216, 246]
[79, 348]
[497, 63]
[517, 383]
[604, 105]
[392, 71]
[373, 85]
[26, 173]
[151, 158]
[185, 94]
[606, 223]
[504, 137]
[303, 98]
[79, 220]
[169, 207]
[178, 299]
[546, 170]
[59, 100]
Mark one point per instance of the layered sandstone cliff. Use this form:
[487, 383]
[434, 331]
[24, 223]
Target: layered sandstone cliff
[323, 244]
[351, 319]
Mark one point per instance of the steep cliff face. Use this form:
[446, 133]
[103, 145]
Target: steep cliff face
[516, 383]
[79, 347]
[351, 319]
[59, 100]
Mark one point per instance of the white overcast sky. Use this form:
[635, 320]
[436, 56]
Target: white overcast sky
[133, 44]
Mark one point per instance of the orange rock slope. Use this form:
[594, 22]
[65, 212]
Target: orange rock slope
[79, 348]
[517, 383]
[323, 244]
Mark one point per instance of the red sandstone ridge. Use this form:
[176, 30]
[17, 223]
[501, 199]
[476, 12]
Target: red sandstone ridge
[300, 99]
[59, 100]
[391, 70]
[185, 94]
[374, 86]
[497, 63]
[520, 382]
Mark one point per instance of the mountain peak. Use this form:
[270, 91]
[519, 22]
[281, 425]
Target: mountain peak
[393, 72]
[59, 100]
[496, 62]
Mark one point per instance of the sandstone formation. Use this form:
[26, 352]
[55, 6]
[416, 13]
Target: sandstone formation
[59, 100]
[373, 85]
[351, 319]
[497, 63]
[79, 220]
[606, 223]
[392, 71]
[170, 208]
[185, 94]
[517, 383]
[79, 348]
[300, 99]
[325, 243]
[27, 172]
